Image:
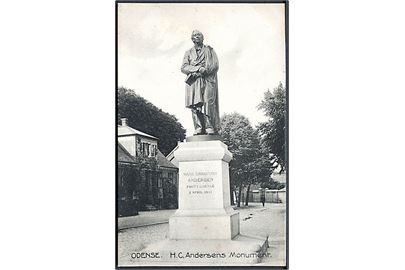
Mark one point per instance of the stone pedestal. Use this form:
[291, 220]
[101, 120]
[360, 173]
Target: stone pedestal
[204, 195]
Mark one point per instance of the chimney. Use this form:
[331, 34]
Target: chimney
[124, 122]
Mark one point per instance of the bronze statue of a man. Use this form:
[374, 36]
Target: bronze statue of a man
[200, 64]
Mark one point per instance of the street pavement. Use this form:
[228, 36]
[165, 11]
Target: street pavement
[145, 218]
[135, 233]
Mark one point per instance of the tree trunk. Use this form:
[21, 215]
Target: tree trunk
[247, 196]
[239, 194]
[231, 192]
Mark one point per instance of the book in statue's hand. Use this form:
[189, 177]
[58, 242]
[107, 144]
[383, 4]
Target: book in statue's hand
[190, 79]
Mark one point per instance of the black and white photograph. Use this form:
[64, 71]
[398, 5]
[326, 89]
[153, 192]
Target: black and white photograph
[202, 130]
[141, 134]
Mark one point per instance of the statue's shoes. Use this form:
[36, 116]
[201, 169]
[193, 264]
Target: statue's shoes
[197, 131]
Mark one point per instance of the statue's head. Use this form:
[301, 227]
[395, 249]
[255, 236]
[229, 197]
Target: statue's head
[197, 36]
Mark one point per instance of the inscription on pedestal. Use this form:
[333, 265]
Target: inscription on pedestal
[200, 187]
[199, 183]
[204, 204]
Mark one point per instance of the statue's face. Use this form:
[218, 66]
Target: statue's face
[197, 37]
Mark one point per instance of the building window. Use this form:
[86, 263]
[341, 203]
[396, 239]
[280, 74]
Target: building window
[145, 149]
[153, 150]
[170, 176]
[159, 182]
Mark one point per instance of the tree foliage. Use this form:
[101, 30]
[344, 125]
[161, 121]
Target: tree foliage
[249, 164]
[146, 117]
[273, 131]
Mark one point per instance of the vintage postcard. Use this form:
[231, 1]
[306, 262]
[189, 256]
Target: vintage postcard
[202, 134]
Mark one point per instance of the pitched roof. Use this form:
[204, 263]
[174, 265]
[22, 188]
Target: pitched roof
[171, 154]
[127, 130]
[163, 161]
[124, 155]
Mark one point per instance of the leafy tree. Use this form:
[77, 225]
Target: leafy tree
[273, 131]
[248, 165]
[146, 117]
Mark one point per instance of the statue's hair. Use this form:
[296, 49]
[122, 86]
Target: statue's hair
[195, 32]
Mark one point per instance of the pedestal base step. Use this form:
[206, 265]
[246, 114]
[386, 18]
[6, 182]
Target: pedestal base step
[242, 250]
[204, 227]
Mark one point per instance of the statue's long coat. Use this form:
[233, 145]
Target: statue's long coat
[204, 91]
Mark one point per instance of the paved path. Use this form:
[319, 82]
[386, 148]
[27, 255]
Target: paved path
[254, 220]
[145, 218]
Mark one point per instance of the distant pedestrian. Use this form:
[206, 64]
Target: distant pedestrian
[263, 198]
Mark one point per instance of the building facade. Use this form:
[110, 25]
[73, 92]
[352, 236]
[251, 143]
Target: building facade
[146, 179]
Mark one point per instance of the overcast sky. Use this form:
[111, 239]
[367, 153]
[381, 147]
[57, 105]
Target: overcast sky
[248, 39]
